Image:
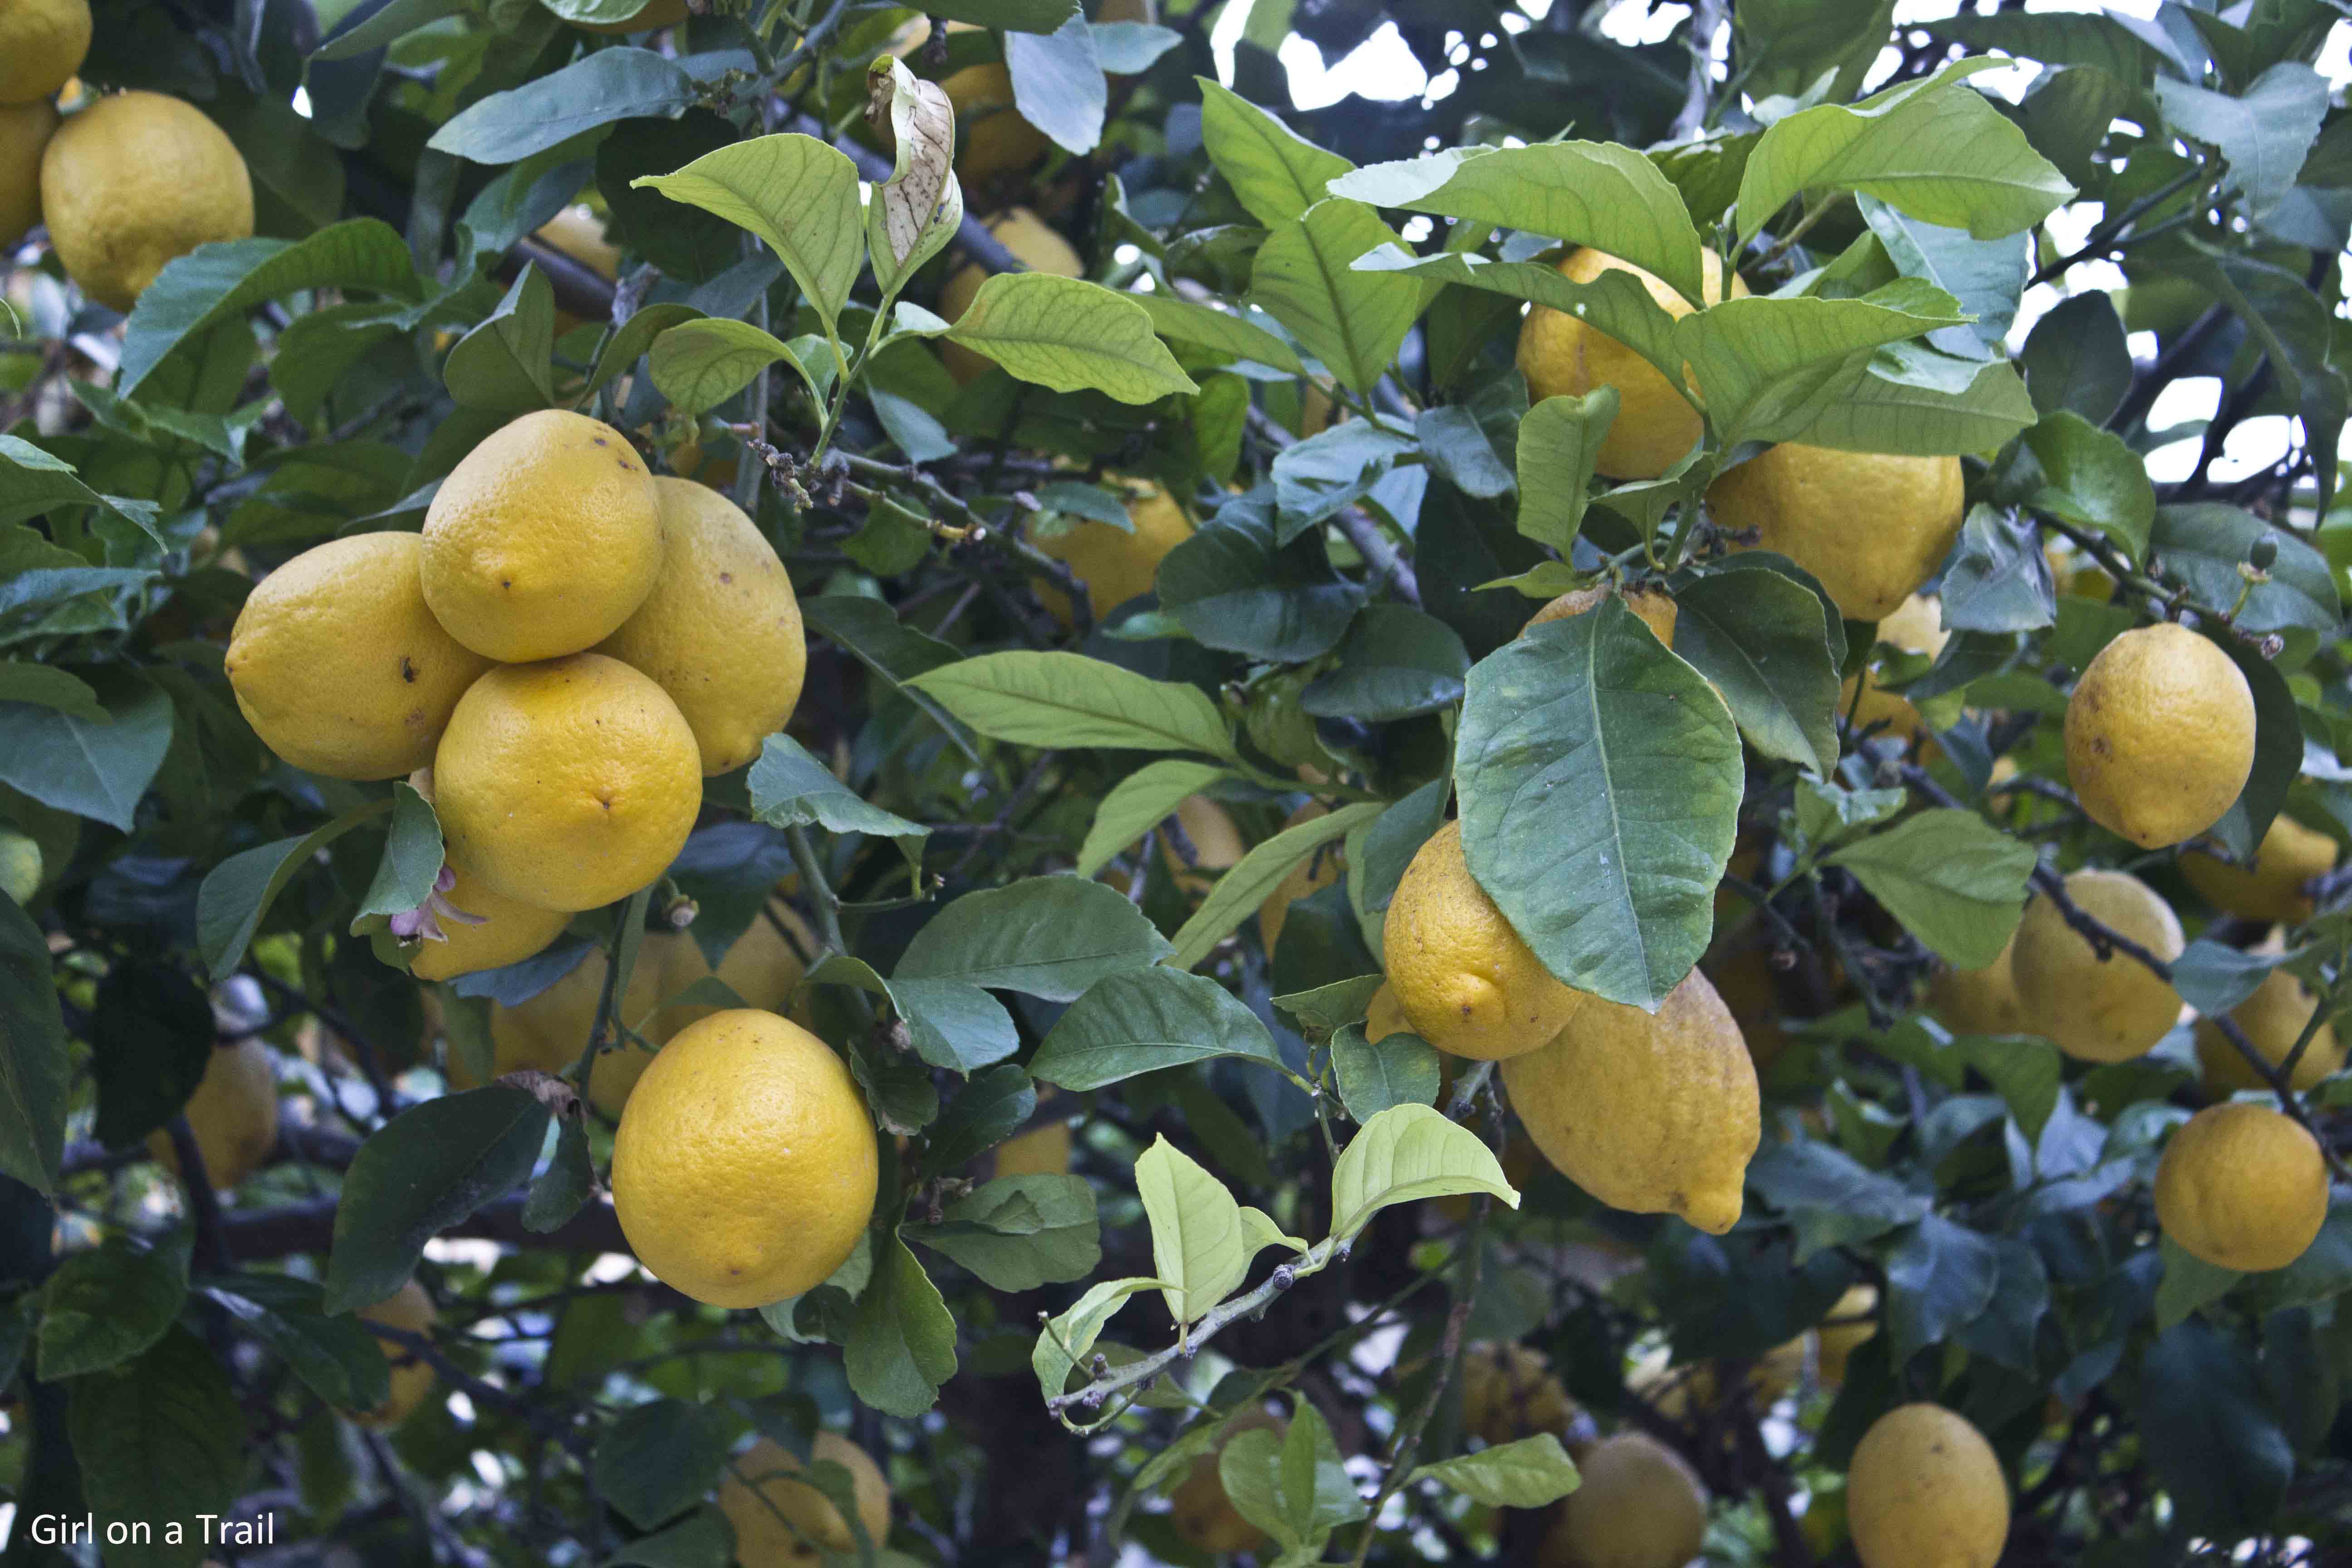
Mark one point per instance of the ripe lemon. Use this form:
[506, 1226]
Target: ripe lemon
[1853, 1319]
[1678, 1392]
[1926, 1490]
[1510, 1391]
[2159, 735]
[744, 1170]
[2097, 1012]
[2274, 1019]
[1199, 1508]
[25, 129]
[1655, 1113]
[1981, 1001]
[566, 784]
[1465, 981]
[136, 180]
[1039, 246]
[1916, 626]
[781, 1520]
[721, 630]
[1870, 526]
[2271, 888]
[652, 15]
[410, 1310]
[233, 1113]
[543, 540]
[2243, 1187]
[1319, 870]
[1562, 356]
[578, 233]
[1654, 606]
[1044, 1151]
[42, 45]
[510, 932]
[999, 146]
[1383, 1017]
[339, 667]
[1114, 564]
[1639, 1505]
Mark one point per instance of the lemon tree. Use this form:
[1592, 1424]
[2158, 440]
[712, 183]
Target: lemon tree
[806, 782]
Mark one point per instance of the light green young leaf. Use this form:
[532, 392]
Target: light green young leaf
[1226, 331]
[1070, 335]
[1066, 1340]
[1877, 414]
[1137, 804]
[1259, 1232]
[1560, 438]
[700, 364]
[1955, 881]
[1594, 193]
[1305, 278]
[1770, 367]
[794, 192]
[1534, 1472]
[1052, 698]
[1245, 885]
[1196, 1230]
[1410, 1152]
[1277, 173]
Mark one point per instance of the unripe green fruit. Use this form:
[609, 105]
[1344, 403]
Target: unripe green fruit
[20, 866]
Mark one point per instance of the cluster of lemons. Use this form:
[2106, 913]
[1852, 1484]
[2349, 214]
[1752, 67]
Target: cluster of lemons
[126, 182]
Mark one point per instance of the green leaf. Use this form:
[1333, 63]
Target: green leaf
[1277, 173]
[2203, 543]
[659, 1459]
[1770, 368]
[150, 1036]
[1638, 768]
[1594, 193]
[1138, 803]
[1245, 885]
[789, 788]
[1013, 15]
[1762, 638]
[1070, 1338]
[2208, 1434]
[340, 1361]
[1295, 1486]
[635, 336]
[1225, 331]
[1048, 936]
[1058, 84]
[394, 22]
[103, 1307]
[1877, 414]
[2279, 751]
[902, 1348]
[1831, 1198]
[797, 194]
[1065, 699]
[602, 87]
[1955, 881]
[1939, 1276]
[99, 771]
[2189, 1285]
[1070, 335]
[1333, 1006]
[39, 482]
[411, 857]
[700, 364]
[989, 1109]
[1017, 1233]
[214, 282]
[1401, 1069]
[238, 892]
[1395, 662]
[703, 1538]
[1534, 1472]
[1196, 1230]
[563, 1189]
[421, 1172]
[2094, 481]
[2265, 134]
[161, 1443]
[1560, 438]
[1234, 589]
[34, 1069]
[1789, 48]
[503, 365]
[1145, 1020]
[1934, 148]
[1305, 278]
[1405, 1153]
[2076, 358]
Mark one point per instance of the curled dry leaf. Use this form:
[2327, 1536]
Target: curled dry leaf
[914, 119]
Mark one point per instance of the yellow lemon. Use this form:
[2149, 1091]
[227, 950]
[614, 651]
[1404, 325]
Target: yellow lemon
[42, 44]
[25, 129]
[339, 667]
[1038, 245]
[2290, 856]
[1462, 977]
[136, 180]
[2241, 1187]
[782, 1521]
[1383, 1017]
[1655, 1113]
[410, 1310]
[2097, 1012]
[1318, 871]
[1981, 1001]
[1926, 1490]
[2159, 735]
[1510, 1391]
[1676, 1392]
[577, 232]
[2273, 1018]
[543, 539]
[1639, 1505]
[744, 1170]
[721, 630]
[1853, 1321]
[998, 144]
[1562, 356]
[1199, 1508]
[1044, 1151]
[1654, 606]
[1869, 526]
[509, 932]
[566, 784]
[233, 1113]
[1116, 564]
[653, 14]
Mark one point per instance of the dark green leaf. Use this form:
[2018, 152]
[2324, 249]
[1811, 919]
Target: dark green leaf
[103, 1307]
[2094, 480]
[412, 857]
[990, 1108]
[1762, 638]
[150, 1036]
[33, 1063]
[1939, 1278]
[1395, 662]
[570, 1179]
[503, 365]
[2075, 358]
[1145, 1020]
[1017, 1233]
[161, 1443]
[605, 86]
[97, 771]
[660, 1458]
[1400, 1069]
[1998, 580]
[1232, 588]
[338, 1358]
[2203, 544]
[901, 1347]
[790, 788]
[238, 892]
[1048, 936]
[2209, 1439]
